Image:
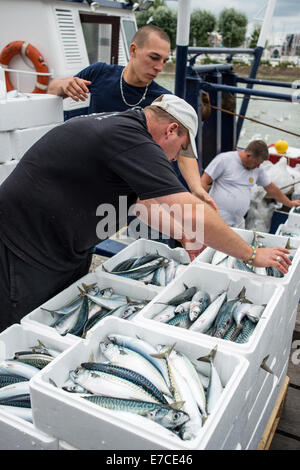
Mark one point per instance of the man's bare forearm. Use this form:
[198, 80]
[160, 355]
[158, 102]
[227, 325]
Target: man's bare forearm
[196, 222]
[274, 192]
[56, 87]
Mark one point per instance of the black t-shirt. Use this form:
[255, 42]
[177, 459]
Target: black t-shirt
[48, 205]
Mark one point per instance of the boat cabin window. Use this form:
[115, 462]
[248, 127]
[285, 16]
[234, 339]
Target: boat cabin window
[128, 29]
[101, 35]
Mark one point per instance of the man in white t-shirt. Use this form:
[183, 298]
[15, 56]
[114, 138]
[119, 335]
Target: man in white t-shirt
[233, 174]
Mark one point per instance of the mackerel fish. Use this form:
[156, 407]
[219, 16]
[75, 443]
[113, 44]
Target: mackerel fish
[128, 374]
[165, 415]
[150, 269]
[215, 388]
[97, 382]
[191, 427]
[126, 357]
[206, 320]
[199, 303]
[145, 349]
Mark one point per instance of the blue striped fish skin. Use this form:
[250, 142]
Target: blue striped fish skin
[128, 374]
[246, 332]
[224, 319]
[10, 379]
[181, 320]
[165, 415]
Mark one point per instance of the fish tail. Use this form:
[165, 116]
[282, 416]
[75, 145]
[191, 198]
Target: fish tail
[209, 357]
[49, 311]
[82, 291]
[177, 405]
[52, 382]
[164, 354]
[265, 366]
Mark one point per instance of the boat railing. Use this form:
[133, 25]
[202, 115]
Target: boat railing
[230, 51]
[5, 69]
[220, 132]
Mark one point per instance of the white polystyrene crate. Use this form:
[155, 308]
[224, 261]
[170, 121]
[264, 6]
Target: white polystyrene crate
[254, 419]
[43, 319]
[264, 386]
[291, 280]
[269, 396]
[142, 247]
[294, 219]
[87, 426]
[62, 445]
[6, 152]
[269, 240]
[214, 282]
[16, 433]
[6, 169]
[23, 139]
[282, 229]
[44, 109]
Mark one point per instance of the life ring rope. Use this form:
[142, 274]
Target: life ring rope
[26, 49]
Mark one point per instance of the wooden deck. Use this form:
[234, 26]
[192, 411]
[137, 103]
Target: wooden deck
[287, 435]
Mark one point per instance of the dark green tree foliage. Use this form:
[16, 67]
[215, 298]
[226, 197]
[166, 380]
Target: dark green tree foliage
[161, 16]
[232, 26]
[142, 17]
[159, 3]
[166, 19]
[202, 23]
[254, 37]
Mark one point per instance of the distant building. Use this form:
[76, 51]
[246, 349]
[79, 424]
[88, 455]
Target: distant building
[291, 45]
[275, 52]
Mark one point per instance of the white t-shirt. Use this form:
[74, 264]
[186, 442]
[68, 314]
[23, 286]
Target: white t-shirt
[232, 185]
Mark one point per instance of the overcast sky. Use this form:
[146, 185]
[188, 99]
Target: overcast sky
[286, 17]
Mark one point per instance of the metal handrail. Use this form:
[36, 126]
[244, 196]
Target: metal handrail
[212, 68]
[268, 82]
[247, 91]
[219, 50]
[7, 69]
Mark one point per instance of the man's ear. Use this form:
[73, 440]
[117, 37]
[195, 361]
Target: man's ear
[172, 127]
[132, 49]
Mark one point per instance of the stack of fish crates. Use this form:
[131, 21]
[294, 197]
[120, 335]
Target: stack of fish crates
[249, 392]
[285, 230]
[259, 347]
[291, 227]
[19, 129]
[290, 281]
[294, 218]
[99, 428]
[278, 336]
[17, 432]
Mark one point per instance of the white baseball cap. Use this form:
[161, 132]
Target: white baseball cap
[183, 113]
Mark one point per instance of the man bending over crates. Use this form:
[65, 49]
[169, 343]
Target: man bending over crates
[54, 205]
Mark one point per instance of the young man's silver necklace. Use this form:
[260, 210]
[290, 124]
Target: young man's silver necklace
[122, 93]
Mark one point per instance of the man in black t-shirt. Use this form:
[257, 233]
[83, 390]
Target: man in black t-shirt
[53, 204]
[118, 88]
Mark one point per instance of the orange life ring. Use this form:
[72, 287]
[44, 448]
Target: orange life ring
[24, 48]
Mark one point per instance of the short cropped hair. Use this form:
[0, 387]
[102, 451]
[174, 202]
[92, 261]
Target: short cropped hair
[258, 148]
[162, 115]
[142, 34]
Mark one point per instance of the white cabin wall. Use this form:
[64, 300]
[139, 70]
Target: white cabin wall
[38, 22]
